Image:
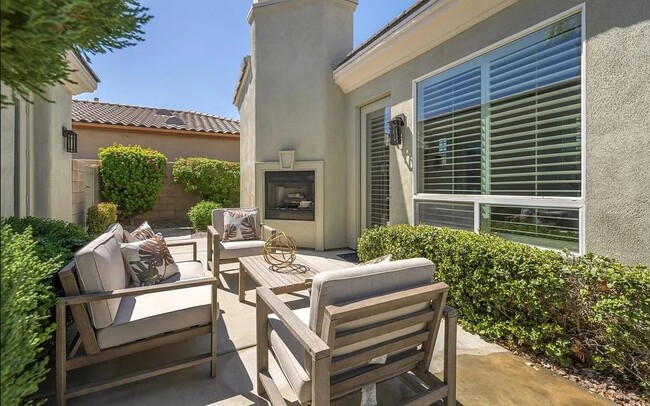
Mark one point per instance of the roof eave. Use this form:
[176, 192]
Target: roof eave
[243, 78]
[427, 26]
[82, 78]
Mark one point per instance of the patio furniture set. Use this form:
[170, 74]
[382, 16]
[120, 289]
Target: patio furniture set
[365, 324]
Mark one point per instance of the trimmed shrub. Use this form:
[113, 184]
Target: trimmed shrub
[201, 214]
[131, 177]
[589, 309]
[100, 216]
[214, 180]
[27, 297]
[54, 238]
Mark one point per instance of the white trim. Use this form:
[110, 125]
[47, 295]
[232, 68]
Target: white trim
[427, 28]
[568, 202]
[576, 203]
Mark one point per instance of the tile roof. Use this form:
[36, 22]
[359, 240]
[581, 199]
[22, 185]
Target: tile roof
[149, 117]
[405, 15]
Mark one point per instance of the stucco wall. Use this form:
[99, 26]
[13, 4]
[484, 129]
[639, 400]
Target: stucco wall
[7, 149]
[52, 193]
[617, 122]
[247, 145]
[173, 146]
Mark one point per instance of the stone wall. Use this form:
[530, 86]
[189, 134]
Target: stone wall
[173, 203]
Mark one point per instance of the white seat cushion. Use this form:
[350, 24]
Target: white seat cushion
[236, 249]
[291, 355]
[157, 313]
[101, 269]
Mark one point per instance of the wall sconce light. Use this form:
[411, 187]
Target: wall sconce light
[395, 127]
[69, 140]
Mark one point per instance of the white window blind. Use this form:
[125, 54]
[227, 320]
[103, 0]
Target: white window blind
[378, 168]
[451, 130]
[506, 125]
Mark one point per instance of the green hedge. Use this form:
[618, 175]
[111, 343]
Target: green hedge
[27, 297]
[131, 177]
[54, 238]
[592, 309]
[214, 180]
[201, 214]
[100, 216]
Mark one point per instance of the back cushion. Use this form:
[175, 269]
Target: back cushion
[101, 269]
[118, 231]
[361, 282]
[217, 219]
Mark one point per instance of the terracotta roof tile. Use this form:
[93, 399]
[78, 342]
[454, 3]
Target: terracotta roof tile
[136, 116]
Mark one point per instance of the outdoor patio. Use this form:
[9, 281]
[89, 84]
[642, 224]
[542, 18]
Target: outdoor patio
[487, 373]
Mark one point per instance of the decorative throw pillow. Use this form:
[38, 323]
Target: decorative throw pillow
[148, 261]
[239, 225]
[385, 258]
[141, 233]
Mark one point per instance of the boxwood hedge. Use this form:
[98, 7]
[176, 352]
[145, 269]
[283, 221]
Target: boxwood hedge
[590, 309]
[216, 181]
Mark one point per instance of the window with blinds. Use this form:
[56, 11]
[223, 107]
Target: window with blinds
[378, 193]
[446, 214]
[507, 125]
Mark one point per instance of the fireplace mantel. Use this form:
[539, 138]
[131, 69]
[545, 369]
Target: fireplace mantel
[308, 234]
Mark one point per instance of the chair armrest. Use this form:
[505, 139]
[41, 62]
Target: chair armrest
[307, 338]
[268, 230]
[212, 232]
[142, 290]
[183, 243]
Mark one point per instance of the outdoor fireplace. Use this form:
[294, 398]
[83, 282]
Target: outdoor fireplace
[289, 195]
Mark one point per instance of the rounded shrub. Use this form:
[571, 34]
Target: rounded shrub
[100, 216]
[27, 297]
[590, 309]
[131, 177]
[201, 214]
[214, 180]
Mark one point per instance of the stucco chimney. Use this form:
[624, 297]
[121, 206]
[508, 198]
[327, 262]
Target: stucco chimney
[292, 102]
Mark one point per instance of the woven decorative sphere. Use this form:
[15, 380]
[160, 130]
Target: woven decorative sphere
[280, 250]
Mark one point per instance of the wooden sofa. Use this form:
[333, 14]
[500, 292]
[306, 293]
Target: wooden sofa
[110, 323]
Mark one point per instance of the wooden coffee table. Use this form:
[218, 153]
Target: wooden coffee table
[259, 270]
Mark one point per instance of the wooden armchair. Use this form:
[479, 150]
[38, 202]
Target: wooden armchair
[356, 316]
[110, 323]
[222, 252]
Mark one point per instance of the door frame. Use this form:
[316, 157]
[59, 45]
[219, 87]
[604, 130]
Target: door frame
[363, 161]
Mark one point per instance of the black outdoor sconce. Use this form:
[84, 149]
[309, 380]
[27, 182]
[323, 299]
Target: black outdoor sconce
[395, 127]
[70, 140]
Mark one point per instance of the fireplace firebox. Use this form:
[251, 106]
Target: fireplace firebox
[289, 195]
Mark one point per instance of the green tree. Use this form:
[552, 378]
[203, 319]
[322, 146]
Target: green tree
[36, 35]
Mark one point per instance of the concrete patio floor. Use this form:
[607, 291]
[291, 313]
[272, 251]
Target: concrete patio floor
[487, 373]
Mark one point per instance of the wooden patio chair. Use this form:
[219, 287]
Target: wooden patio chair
[110, 323]
[222, 252]
[356, 316]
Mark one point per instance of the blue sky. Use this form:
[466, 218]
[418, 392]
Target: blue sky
[192, 53]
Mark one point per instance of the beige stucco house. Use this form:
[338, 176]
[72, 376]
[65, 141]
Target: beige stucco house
[175, 133]
[523, 118]
[36, 165]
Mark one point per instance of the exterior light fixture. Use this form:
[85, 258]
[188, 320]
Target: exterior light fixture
[395, 127]
[69, 140]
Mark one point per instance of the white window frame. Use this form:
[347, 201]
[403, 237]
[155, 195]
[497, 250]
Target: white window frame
[524, 201]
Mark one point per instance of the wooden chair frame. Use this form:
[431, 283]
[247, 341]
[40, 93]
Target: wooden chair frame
[214, 253]
[324, 385]
[67, 357]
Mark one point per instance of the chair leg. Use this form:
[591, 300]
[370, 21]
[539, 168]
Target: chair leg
[60, 355]
[320, 382]
[213, 335]
[262, 314]
[209, 250]
[449, 375]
